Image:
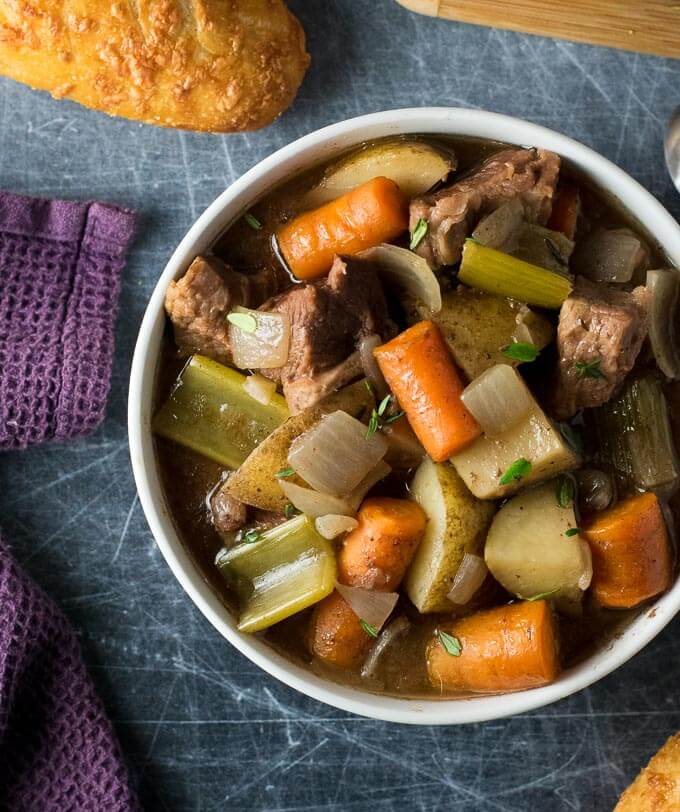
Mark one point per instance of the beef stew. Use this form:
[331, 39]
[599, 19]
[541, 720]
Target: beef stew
[424, 441]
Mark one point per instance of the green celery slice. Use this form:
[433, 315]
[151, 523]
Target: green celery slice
[210, 412]
[289, 568]
[635, 438]
[503, 275]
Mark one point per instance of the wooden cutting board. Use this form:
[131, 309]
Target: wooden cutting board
[649, 26]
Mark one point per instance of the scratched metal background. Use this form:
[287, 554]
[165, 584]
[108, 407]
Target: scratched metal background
[202, 728]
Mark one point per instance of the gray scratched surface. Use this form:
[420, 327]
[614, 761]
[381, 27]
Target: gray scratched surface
[202, 728]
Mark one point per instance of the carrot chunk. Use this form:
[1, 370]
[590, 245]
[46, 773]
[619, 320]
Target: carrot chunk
[509, 648]
[631, 552]
[419, 369]
[373, 213]
[335, 635]
[565, 211]
[375, 555]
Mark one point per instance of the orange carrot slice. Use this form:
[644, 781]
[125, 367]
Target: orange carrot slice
[509, 648]
[375, 555]
[373, 213]
[421, 372]
[632, 559]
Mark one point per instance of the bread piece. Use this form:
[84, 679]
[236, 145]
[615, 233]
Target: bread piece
[657, 787]
[214, 65]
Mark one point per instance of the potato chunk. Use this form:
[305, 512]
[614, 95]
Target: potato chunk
[533, 548]
[457, 524]
[535, 439]
[415, 166]
[477, 326]
[255, 483]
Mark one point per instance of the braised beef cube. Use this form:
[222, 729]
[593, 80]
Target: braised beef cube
[227, 513]
[529, 175]
[301, 393]
[198, 303]
[599, 336]
[328, 319]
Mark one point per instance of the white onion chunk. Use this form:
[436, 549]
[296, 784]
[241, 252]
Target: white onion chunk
[260, 388]
[315, 504]
[470, 576]
[498, 399]
[265, 344]
[369, 605]
[333, 525]
[336, 455]
[370, 365]
[408, 272]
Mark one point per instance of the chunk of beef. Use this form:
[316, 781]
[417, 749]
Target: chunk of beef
[198, 304]
[304, 392]
[227, 514]
[328, 319]
[453, 212]
[603, 328]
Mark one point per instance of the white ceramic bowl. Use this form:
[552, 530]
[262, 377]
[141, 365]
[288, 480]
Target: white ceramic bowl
[230, 205]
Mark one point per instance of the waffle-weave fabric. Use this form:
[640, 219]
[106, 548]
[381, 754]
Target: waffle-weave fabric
[58, 751]
[60, 271]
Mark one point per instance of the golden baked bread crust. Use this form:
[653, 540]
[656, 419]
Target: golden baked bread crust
[657, 787]
[213, 65]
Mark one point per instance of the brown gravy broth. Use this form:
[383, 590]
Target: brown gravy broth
[188, 478]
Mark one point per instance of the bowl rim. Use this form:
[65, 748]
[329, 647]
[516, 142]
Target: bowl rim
[317, 146]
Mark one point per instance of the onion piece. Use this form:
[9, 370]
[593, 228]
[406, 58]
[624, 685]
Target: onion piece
[259, 340]
[369, 605]
[665, 289]
[336, 454]
[587, 575]
[370, 365]
[544, 247]
[522, 333]
[259, 388]
[408, 272]
[501, 228]
[498, 399]
[610, 255]
[470, 575]
[315, 504]
[333, 525]
[394, 630]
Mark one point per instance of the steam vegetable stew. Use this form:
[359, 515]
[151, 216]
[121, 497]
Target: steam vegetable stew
[414, 417]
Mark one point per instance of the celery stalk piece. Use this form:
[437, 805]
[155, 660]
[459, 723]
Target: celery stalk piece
[289, 568]
[634, 437]
[210, 412]
[503, 275]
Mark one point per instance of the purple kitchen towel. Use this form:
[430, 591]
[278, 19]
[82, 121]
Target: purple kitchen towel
[58, 751]
[60, 268]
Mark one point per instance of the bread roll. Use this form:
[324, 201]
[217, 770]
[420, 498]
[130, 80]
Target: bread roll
[657, 788]
[213, 65]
